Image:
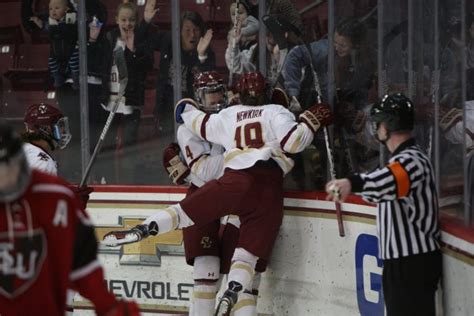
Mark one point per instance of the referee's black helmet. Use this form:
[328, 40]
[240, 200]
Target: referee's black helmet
[396, 110]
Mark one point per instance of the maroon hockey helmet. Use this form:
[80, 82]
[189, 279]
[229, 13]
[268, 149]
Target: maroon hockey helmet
[252, 89]
[210, 91]
[49, 123]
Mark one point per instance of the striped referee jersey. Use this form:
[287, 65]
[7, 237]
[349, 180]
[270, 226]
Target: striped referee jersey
[405, 191]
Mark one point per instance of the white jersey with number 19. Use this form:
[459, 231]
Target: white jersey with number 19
[251, 133]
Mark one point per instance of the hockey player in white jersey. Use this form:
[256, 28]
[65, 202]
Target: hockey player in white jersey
[197, 161]
[47, 130]
[256, 137]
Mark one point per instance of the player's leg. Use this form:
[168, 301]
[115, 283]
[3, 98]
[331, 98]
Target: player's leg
[241, 275]
[205, 274]
[261, 215]
[163, 221]
[201, 246]
[212, 201]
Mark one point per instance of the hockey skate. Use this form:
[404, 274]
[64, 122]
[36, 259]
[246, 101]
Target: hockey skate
[228, 299]
[123, 237]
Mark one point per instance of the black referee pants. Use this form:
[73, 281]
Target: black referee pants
[409, 284]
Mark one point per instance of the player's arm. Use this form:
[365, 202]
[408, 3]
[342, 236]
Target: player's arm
[296, 60]
[294, 136]
[87, 276]
[206, 126]
[392, 182]
[198, 156]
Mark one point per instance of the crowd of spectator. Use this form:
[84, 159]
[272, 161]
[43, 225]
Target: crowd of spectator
[297, 66]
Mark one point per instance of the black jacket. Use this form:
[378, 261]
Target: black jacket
[190, 66]
[138, 64]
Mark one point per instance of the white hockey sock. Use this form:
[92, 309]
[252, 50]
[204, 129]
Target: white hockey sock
[203, 300]
[169, 219]
[242, 269]
[246, 305]
[247, 302]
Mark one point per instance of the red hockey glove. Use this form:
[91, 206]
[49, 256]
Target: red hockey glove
[177, 170]
[124, 308]
[82, 194]
[316, 116]
[181, 106]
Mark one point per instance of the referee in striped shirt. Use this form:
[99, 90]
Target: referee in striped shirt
[407, 217]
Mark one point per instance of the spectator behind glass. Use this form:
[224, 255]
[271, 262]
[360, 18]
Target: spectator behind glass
[196, 56]
[355, 71]
[248, 24]
[63, 37]
[241, 40]
[127, 41]
[355, 62]
[61, 25]
[354, 76]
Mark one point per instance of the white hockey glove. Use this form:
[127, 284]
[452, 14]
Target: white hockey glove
[123, 237]
[176, 169]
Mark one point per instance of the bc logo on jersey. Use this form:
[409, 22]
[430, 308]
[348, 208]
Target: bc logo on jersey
[368, 276]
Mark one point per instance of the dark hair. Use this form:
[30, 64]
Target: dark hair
[246, 5]
[353, 29]
[194, 18]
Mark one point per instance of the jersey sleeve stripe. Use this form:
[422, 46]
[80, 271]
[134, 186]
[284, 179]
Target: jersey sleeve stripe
[287, 136]
[85, 270]
[304, 120]
[191, 164]
[401, 178]
[203, 125]
[55, 188]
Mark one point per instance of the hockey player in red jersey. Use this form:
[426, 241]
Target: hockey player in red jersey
[47, 242]
[256, 137]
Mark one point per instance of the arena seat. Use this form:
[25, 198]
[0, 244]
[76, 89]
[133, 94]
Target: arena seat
[15, 103]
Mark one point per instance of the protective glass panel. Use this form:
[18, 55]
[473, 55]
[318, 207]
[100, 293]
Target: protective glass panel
[452, 84]
[354, 70]
[419, 48]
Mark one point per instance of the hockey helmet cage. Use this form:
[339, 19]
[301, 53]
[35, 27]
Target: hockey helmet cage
[210, 91]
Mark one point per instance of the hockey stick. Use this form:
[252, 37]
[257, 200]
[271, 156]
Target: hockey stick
[332, 169]
[234, 44]
[340, 222]
[119, 58]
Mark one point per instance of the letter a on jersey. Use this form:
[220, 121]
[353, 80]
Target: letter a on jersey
[60, 217]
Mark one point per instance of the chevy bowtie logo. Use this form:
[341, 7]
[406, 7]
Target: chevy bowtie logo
[146, 252]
